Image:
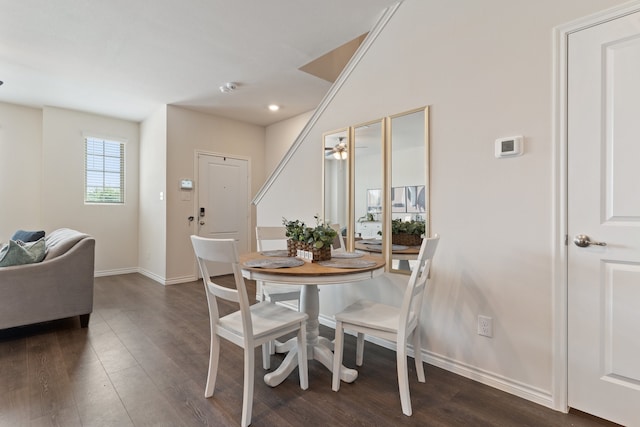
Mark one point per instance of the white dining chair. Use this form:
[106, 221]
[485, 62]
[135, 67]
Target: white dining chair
[269, 238]
[390, 323]
[249, 327]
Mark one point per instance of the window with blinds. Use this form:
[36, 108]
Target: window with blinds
[104, 171]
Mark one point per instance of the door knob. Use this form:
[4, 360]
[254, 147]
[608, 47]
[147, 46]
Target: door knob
[583, 241]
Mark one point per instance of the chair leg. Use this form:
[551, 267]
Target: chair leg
[417, 354]
[247, 394]
[303, 368]
[266, 356]
[337, 356]
[359, 349]
[214, 356]
[403, 378]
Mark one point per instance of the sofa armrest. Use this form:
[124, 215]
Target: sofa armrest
[52, 289]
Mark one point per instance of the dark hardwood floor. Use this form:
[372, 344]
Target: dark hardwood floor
[143, 362]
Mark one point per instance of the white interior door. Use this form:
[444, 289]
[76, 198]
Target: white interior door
[604, 204]
[223, 199]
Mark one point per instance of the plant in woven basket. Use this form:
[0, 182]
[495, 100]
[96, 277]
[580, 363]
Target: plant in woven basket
[409, 227]
[317, 239]
[407, 232]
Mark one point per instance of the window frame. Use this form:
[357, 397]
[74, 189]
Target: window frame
[103, 170]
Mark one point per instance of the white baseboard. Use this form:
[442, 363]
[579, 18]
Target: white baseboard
[151, 275]
[508, 385]
[115, 272]
[165, 281]
[178, 280]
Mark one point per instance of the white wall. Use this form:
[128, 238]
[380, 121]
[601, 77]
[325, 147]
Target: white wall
[279, 137]
[44, 190]
[152, 221]
[485, 68]
[20, 169]
[188, 131]
[115, 227]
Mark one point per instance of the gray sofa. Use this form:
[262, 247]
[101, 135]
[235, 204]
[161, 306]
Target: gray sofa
[60, 286]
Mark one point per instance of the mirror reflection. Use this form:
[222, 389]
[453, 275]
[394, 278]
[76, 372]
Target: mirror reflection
[368, 178]
[408, 186]
[376, 186]
[336, 178]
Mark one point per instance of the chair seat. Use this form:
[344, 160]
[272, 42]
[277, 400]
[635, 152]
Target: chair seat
[369, 314]
[265, 318]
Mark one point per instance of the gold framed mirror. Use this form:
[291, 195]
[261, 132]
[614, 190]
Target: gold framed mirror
[376, 185]
[408, 186]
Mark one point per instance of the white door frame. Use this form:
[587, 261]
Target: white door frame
[561, 196]
[196, 203]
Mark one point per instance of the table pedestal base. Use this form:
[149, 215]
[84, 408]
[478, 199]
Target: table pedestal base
[318, 348]
[319, 352]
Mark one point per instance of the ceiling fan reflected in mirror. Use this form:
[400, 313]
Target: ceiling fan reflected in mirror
[338, 151]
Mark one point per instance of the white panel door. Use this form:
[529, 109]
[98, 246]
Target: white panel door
[223, 197]
[604, 204]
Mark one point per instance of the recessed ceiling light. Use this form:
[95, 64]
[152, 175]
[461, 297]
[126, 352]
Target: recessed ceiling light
[274, 107]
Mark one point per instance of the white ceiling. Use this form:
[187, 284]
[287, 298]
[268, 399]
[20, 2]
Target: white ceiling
[124, 58]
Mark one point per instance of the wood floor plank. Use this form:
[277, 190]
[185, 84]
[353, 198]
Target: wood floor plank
[143, 362]
[49, 387]
[13, 362]
[144, 403]
[64, 418]
[14, 408]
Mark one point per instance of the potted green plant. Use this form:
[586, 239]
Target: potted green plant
[407, 233]
[316, 240]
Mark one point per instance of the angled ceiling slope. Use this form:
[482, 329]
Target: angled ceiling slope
[329, 66]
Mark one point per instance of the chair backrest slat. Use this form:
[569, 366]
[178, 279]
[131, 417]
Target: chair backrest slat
[264, 234]
[223, 251]
[414, 294]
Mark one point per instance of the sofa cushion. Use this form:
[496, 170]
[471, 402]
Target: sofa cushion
[61, 240]
[18, 253]
[28, 236]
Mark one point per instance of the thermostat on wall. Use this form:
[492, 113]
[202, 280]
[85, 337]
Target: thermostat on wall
[186, 184]
[509, 147]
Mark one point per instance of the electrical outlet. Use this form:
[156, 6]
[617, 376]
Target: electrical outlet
[485, 326]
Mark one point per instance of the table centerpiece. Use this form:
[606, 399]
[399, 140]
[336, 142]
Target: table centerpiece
[310, 243]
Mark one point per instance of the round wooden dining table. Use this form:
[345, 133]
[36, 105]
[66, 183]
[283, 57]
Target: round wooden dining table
[310, 276]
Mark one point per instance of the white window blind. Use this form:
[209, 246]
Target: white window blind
[104, 171]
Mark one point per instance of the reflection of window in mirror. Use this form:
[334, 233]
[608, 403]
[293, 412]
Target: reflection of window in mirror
[374, 202]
